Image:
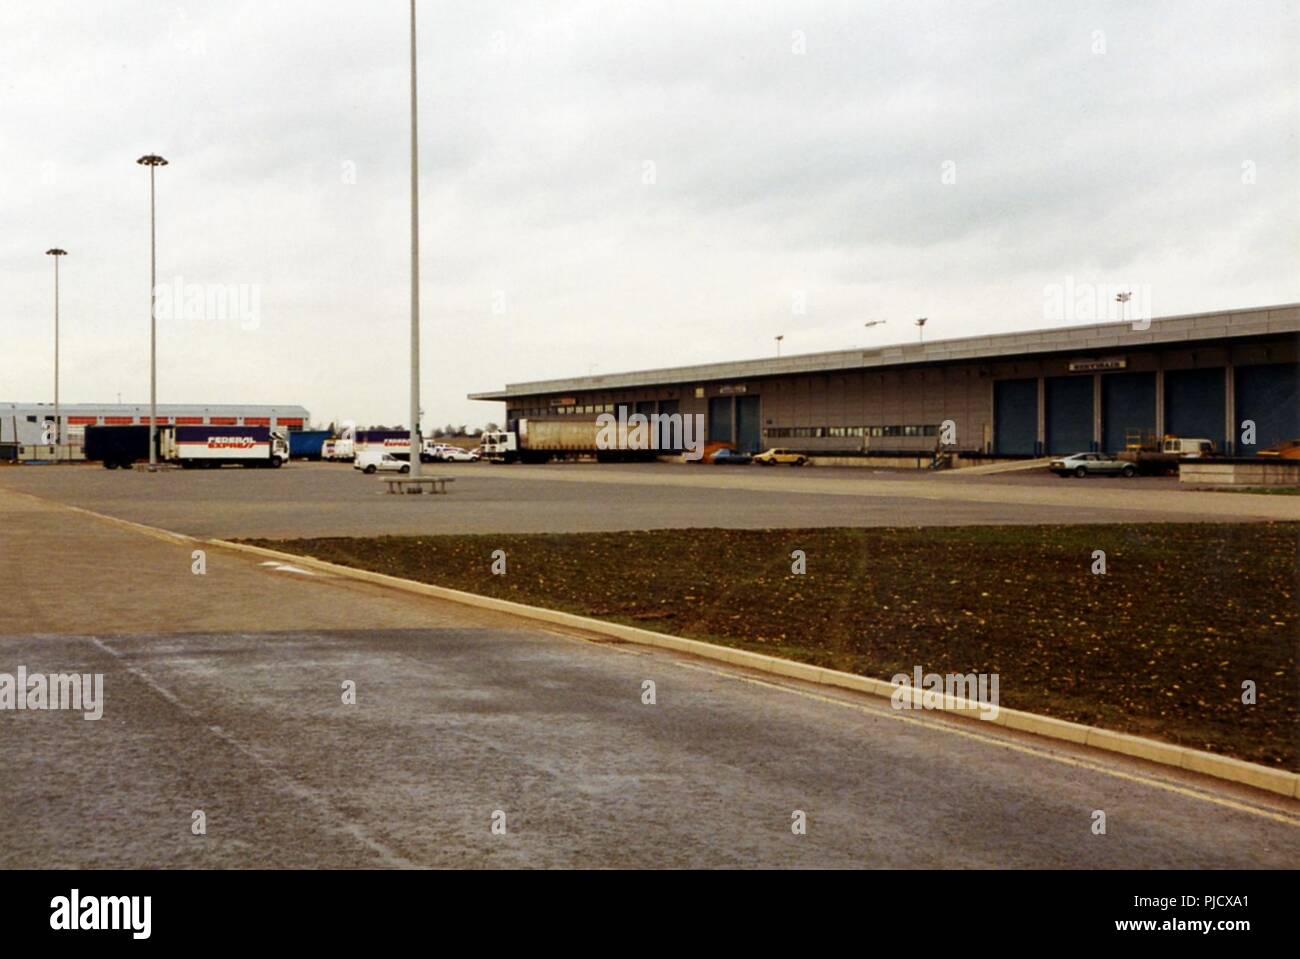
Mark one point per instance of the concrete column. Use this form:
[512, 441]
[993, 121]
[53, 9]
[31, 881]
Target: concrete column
[1160, 403]
[1230, 409]
[1042, 415]
[1096, 411]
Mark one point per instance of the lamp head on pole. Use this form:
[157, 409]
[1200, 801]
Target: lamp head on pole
[151, 159]
[56, 252]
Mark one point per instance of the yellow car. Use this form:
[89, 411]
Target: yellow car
[772, 457]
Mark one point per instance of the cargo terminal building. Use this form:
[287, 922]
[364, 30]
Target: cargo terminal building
[1082, 388]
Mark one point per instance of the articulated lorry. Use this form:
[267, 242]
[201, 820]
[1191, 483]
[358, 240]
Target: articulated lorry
[564, 438]
[191, 447]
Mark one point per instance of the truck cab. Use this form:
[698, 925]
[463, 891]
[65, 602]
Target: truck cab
[500, 446]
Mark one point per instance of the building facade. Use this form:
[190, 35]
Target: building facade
[1084, 388]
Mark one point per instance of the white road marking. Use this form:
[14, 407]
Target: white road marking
[296, 789]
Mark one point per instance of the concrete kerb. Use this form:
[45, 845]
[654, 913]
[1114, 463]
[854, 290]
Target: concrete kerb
[1209, 764]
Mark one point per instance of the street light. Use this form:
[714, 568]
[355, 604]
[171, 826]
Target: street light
[870, 323]
[1122, 299]
[920, 329]
[56, 253]
[778, 344]
[152, 160]
[415, 269]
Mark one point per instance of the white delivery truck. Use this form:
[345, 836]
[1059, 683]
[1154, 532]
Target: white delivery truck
[205, 447]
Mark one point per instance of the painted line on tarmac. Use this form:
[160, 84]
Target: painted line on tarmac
[1005, 744]
[285, 782]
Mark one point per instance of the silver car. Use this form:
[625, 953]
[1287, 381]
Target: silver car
[1087, 464]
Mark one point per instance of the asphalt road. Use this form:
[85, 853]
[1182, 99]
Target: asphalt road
[335, 500]
[222, 694]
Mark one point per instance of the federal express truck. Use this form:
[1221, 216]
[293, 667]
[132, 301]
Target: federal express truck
[188, 446]
[212, 446]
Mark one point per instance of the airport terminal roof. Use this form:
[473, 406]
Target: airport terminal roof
[1191, 327]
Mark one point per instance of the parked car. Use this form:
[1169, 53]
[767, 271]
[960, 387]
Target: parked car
[432, 452]
[774, 456]
[1086, 464]
[369, 461]
[454, 454]
[730, 457]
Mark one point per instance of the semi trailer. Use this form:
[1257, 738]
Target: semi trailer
[307, 444]
[397, 442]
[116, 446]
[566, 438]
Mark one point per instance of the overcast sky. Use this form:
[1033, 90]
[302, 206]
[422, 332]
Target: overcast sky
[615, 186]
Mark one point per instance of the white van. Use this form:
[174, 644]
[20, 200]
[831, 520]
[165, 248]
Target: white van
[1188, 449]
[368, 461]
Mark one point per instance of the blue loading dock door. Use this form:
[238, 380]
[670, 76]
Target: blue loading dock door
[1269, 395]
[1128, 402]
[1069, 413]
[720, 419]
[1015, 417]
[1194, 404]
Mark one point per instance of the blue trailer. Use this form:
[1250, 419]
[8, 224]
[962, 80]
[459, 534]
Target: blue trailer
[306, 444]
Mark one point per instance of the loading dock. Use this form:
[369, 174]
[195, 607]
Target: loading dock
[1128, 403]
[1015, 417]
[1268, 395]
[1194, 404]
[1069, 414]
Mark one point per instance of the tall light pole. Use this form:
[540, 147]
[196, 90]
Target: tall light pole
[920, 329]
[58, 422]
[1122, 299]
[870, 323]
[415, 268]
[153, 161]
[778, 344]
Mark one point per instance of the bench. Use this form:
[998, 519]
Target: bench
[418, 484]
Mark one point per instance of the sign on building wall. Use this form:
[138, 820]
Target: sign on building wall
[729, 390]
[1098, 366]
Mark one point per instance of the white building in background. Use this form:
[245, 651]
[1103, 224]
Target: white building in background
[31, 424]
